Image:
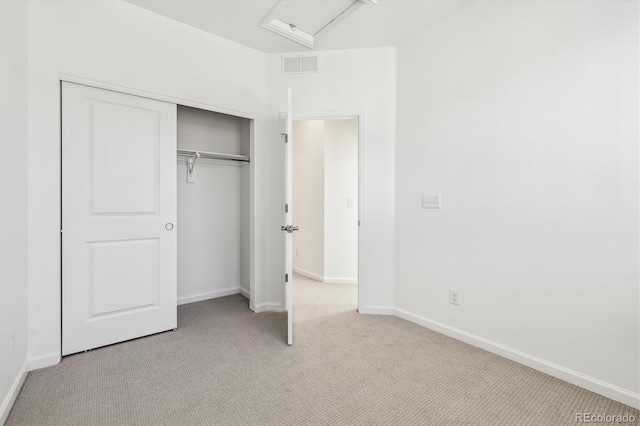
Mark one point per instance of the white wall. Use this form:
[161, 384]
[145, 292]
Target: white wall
[524, 116]
[210, 222]
[341, 185]
[211, 210]
[120, 44]
[350, 80]
[14, 25]
[202, 130]
[308, 197]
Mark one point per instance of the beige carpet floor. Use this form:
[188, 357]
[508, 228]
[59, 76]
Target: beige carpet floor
[227, 365]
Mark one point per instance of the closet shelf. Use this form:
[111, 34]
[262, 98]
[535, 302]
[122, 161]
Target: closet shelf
[212, 155]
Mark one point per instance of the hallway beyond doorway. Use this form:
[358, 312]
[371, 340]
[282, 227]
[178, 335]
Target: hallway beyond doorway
[314, 299]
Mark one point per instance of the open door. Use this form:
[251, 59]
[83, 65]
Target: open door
[288, 216]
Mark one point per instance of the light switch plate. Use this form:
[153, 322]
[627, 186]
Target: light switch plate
[431, 201]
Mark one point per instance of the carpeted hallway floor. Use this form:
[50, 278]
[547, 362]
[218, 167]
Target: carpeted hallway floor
[227, 365]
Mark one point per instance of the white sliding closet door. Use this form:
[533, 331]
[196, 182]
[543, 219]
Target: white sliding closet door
[118, 216]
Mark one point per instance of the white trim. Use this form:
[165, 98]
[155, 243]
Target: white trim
[43, 361]
[326, 280]
[340, 280]
[376, 310]
[269, 307]
[275, 307]
[253, 250]
[10, 399]
[208, 295]
[153, 95]
[284, 29]
[333, 115]
[308, 274]
[245, 293]
[302, 37]
[574, 377]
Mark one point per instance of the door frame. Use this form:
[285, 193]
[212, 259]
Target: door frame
[360, 116]
[178, 101]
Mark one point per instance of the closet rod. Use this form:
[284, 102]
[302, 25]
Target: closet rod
[213, 155]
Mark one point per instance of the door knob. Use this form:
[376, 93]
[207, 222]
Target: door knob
[168, 226]
[289, 228]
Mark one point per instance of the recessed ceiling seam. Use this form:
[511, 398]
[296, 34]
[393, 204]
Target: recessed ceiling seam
[336, 17]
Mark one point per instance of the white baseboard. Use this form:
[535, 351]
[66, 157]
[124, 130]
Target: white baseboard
[43, 361]
[275, 307]
[590, 383]
[308, 274]
[10, 399]
[376, 310]
[208, 295]
[245, 293]
[340, 280]
[268, 307]
[326, 280]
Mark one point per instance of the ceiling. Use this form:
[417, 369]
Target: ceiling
[380, 25]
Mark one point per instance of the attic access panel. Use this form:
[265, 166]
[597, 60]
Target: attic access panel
[303, 21]
[311, 17]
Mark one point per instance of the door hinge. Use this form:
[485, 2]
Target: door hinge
[286, 137]
[286, 278]
[286, 208]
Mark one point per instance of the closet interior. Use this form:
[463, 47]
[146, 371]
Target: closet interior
[213, 204]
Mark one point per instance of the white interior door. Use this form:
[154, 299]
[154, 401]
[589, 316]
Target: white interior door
[288, 216]
[118, 216]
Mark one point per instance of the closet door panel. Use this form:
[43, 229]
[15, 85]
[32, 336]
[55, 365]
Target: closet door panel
[125, 145]
[118, 214]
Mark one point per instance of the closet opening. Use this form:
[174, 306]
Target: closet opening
[326, 201]
[157, 211]
[213, 208]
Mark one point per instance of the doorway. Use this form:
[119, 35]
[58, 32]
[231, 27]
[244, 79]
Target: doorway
[326, 203]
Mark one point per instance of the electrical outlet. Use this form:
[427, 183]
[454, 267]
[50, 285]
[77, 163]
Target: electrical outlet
[454, 296]
[431, 201]
[12, 338]
[297, 252]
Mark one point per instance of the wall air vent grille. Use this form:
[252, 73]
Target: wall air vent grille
[300, 64]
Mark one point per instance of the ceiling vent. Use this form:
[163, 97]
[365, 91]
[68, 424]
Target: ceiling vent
[300, 64]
